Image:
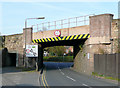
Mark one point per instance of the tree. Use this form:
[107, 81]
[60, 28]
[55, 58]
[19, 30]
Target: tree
[57, 50]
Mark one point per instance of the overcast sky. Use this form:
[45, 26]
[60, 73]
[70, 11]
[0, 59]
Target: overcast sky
[13, 14]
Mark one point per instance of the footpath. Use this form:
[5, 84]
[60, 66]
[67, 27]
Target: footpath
[11, 76]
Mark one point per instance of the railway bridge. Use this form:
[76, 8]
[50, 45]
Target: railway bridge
[95, 35]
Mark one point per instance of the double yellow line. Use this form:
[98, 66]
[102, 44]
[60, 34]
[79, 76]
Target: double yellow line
[45, 84]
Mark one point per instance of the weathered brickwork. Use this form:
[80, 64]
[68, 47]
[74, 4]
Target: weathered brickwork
[102, 29]
[114, 35]
[14, 44]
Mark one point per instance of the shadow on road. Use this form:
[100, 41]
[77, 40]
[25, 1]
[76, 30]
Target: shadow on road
[48, 65]
[10, 70]
[57, 65]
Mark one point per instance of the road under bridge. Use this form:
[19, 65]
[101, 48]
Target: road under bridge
[93, 36]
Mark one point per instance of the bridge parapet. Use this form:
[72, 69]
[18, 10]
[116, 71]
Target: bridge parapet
[100, 28]
[64, 32]
[64, 23]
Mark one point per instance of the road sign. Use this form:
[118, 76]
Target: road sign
[57, 33]
[31, 50]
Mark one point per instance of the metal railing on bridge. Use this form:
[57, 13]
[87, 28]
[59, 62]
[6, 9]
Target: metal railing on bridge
[64, 23]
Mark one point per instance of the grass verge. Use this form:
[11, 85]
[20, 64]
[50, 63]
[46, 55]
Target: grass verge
[23, 69]
[103, 76]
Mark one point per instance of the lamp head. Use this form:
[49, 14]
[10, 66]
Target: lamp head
[41, 18]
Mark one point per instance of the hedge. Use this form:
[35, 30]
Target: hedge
[59, 59]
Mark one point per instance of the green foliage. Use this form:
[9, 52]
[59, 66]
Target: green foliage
[70, 53]
[25, 69]
[84, 54]
[81, 48]
[59, 58]
[106, 77]
[57, 50]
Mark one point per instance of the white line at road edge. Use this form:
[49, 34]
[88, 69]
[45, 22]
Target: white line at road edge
[86, 85]
[62, 73]
[71, 78]
[59, 69]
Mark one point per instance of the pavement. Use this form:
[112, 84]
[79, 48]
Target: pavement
[15, 77]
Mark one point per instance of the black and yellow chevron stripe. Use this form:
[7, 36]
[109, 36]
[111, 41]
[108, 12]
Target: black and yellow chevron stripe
[73, 37]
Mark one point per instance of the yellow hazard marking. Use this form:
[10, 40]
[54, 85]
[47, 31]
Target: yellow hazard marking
[56, 39]
[33, 40]
[42, 40]
[63, 38]
[49, 39]
[80, 36]
[36, 40]
[39, 40]
[52, 39]
[71, 37]
[85, 35]
[46, 40]
[67, 37]
[59, 38]
[89, 36]
[76, 37]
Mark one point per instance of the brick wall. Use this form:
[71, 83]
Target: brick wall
[14, 44]
[64, 32]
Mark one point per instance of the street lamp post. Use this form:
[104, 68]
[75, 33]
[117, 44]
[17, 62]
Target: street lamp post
[26, 32]
[32, 18]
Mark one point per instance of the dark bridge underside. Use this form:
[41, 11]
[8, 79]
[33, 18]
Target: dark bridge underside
[62, 41]
[73, 40]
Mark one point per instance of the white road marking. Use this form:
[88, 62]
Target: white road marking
[62, 73]
[59, 69]
[86, 85]
[71, 78]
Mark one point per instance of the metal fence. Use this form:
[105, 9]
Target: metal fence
[107, 64]
[64, 23]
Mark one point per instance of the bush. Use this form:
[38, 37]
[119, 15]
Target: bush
[59, 59]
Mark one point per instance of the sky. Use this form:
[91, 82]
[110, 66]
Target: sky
[13, 14]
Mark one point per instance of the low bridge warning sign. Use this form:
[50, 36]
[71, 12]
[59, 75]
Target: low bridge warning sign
[31, 50]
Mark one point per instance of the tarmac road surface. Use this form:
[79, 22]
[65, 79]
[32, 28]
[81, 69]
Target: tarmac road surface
[60, 74]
